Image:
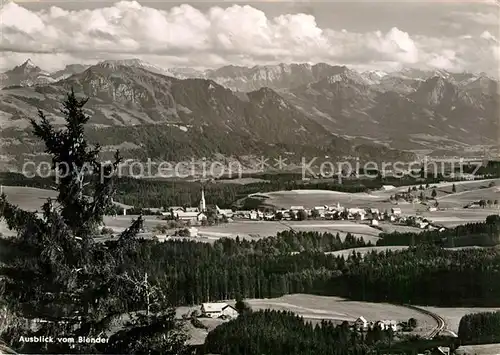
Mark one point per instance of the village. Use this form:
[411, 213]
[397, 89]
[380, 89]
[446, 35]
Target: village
[185, 220]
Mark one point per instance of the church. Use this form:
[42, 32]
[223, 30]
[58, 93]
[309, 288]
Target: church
[191, 214]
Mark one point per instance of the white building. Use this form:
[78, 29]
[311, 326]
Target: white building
[224, 212]
[193, 232]
[396, 211]
[423, 225]
[269, 216]
[216, 310]
[374, 211]
[356, 212]
[169, 210]
[243, 214]
[190, 216]
[296, 208]
[388, 324]
[374, 222]
[361, 323]
[321, 210]
[388, 187]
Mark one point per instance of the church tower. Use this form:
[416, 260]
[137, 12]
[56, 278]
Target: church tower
[203, 206]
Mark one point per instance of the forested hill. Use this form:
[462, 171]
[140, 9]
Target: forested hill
[278, 333]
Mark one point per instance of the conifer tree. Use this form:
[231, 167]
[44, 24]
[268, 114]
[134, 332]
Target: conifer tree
[59, 273]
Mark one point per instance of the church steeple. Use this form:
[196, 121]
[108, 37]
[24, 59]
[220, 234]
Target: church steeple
[203, 206]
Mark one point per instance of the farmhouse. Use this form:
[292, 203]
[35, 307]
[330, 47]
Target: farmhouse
[423, 225]
[388, 187]
[216, 310]
[174, 208]
[193, 232]
[361, 323]
[224, 212]
[190, 216]
[387, 324]
[356, 210]
[269, 216]
[374, 222]
[396, 211]
[169, 210]
[331, 214]
[242, 213]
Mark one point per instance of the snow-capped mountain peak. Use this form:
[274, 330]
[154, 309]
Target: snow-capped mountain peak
[29, 64]
[133, 63]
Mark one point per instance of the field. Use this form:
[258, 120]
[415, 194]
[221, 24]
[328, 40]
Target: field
[261, 229]
[246, 229]
[312, 307]
[445, 188]
[28, 198]
[377, 199]
[487, 349]
[455, 217]
[311, 198]
[454, 213]
[316, 308]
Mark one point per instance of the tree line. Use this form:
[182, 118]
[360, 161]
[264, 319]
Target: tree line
[480, 328]
[277, 332]
[158, 193]
[199, 272]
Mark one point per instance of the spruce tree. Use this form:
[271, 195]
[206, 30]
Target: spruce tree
[55, 270]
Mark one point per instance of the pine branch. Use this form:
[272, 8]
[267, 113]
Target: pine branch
[18, 219]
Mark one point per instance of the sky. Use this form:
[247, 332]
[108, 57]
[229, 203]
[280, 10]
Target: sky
[364, 35]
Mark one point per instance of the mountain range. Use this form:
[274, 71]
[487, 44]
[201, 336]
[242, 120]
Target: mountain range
[233, 111]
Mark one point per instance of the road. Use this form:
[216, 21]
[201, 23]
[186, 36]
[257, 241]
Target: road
[439, 320]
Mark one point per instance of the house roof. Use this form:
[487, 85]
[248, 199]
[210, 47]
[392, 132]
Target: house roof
[389, 322]
[188, 214]
[175, 208]
[390, 187]
[215, 307]
[361, 319]
[225, 211]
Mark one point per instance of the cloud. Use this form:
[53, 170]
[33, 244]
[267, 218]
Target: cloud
[240, 35]
[490, 18]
